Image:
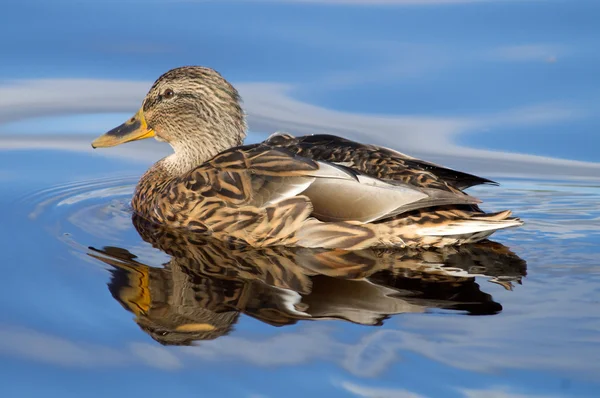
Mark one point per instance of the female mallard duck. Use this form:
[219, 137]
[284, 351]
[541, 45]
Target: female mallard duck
[311, 191]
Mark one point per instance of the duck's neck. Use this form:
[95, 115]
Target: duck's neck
[202, 147]
[187, 157]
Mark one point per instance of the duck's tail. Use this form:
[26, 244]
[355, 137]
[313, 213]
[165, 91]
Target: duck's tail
[424, 228]
[446, 228]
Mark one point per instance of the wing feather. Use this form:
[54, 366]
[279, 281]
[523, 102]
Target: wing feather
[377, 161]
[260, 175]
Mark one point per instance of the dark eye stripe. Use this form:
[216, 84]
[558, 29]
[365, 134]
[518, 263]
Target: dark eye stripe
[151, 102]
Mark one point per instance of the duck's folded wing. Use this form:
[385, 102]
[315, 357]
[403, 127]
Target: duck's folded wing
[368, 199]
[377, 161]
[254, 176]
[261, 175]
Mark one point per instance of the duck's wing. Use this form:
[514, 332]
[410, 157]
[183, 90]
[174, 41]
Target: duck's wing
[377, 161]
[261, 175]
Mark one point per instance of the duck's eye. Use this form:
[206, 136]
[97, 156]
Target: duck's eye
[168, 93]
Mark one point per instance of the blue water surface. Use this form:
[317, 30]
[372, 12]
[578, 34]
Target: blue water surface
[503, 89]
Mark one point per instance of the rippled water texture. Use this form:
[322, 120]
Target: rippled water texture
[95, 302]
[94, 291]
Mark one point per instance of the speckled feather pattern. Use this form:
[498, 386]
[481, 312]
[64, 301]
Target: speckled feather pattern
[208, 281]
[220, 198]
[258, 194]
[377, 161]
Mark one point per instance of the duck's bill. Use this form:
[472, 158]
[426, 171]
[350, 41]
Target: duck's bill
[134, 129]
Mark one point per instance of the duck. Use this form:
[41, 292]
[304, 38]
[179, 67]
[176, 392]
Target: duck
[312, 191]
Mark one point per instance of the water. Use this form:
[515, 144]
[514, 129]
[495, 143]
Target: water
[96, 303]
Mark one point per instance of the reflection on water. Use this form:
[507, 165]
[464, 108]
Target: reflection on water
[200, 292]
[383, 321]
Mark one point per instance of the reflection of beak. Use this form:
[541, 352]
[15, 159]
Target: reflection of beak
[132, 130]
[195, 327]
[135, 293]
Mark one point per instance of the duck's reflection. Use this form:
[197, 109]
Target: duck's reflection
[201, 291]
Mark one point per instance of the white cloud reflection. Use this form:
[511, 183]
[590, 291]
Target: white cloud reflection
[271, 107]
[527, 52]
[33, 345]
[283, 349]
[29, 98]
[499, 392]
[42, 347]
[286, 349]
[358, 390]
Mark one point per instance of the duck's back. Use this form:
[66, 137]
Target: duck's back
[377, 161]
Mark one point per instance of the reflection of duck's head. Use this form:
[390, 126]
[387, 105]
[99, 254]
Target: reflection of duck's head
[201, 291]
[169, 313]
[192, 108]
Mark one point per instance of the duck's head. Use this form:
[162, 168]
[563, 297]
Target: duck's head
[192, 108]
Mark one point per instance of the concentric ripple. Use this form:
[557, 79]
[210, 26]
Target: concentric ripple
[84, 211]
[76, 192]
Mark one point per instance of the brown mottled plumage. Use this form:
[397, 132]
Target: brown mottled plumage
[207, 283]
[312, 191]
